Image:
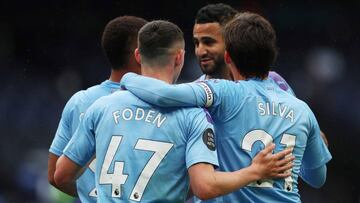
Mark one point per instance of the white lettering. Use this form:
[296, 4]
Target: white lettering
[116, 115]
[268, 108]
[149, 115]
[290, 115]
[261, 109]
[137, 117]
[130, 114]
[160, 120]
[273, 109]
[282, 111]
[276, 110]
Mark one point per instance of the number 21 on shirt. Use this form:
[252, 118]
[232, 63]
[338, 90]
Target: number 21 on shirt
[260, 135]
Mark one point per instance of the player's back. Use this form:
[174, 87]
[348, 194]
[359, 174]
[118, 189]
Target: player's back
[71, 117]
[255, 113]
[143, 151]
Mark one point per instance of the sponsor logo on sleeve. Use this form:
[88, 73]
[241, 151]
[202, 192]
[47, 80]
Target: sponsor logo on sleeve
[209, 139]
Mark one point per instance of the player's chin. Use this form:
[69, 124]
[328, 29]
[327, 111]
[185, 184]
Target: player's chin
[207, 69]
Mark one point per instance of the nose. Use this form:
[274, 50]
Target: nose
[201, 50]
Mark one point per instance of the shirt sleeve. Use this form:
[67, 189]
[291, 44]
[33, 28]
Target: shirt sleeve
[81, 147]
[201, 142]
[316, 153]
[65, 129]
[314, 177]
[163, 94]
[218, 96]
[281, 82]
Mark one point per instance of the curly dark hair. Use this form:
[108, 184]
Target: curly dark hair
[119, 39]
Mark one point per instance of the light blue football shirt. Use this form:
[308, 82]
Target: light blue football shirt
[143, 151]
[247, 115]
[71, 116]
[280, 81]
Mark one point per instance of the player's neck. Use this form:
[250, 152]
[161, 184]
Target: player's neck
[223, 73]
[161, 73]
[116, 75]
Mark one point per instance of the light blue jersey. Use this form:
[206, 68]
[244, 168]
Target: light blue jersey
[72, 114]
[247, 115]
[143, 151]
[273, 75]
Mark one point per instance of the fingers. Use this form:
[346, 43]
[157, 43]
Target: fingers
[283, 175]
[285, 161]
[283, 153]
[268, 149]
[285, 168]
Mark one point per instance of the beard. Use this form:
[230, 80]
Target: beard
[213, 68]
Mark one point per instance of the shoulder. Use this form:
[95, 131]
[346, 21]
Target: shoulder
[220, 84]
[82, 95]
[118, 97]
[302, 107]
[191, 114]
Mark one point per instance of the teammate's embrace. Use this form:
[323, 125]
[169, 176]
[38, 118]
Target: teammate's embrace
[249, 113]
[151, 154]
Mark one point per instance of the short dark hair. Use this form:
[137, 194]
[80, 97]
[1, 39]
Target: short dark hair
[119, 39]
[250, 41]
[215, 13]
[157, 39]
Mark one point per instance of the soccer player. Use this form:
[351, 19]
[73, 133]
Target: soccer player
[209, 43]
[119, 39]
[143, 151]
[249, 113]
[210, 46]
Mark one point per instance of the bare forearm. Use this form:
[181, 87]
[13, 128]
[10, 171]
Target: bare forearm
[65, 175]
[69, 189]
[208, 183]
[225, 182]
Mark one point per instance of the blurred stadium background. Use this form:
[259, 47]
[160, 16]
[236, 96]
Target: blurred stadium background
[51, 49]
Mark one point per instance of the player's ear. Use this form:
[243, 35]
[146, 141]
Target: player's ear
[137, 55]
[179, 58]
[227, 58]
[233, 70]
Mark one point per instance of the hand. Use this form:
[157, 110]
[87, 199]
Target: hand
[269, 165]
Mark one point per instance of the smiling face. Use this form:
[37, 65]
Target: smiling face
[210, 48]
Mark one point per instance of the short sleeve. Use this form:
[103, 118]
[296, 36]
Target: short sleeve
[201, 142]
[81, 147]
[222, 97]
[281, 82]
[316, 153]
[65, 129]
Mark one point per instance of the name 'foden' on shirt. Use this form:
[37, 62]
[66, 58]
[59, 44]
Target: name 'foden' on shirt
[149, 116]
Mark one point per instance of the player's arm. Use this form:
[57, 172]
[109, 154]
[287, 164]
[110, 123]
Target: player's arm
[52, 159]
[78, 152]
[61, 139]
[316, 155]
[323, 136]
[201, 157]
[163, 94]
[66, 174]
[314, 177]
[281, 82]
[208, 183]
